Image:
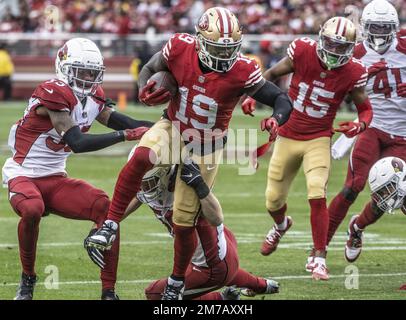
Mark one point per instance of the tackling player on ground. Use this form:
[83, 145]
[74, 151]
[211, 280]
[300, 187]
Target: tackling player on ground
[59, 113]
[215, 261]
[323, 73]
[384, 54]
[212, 75]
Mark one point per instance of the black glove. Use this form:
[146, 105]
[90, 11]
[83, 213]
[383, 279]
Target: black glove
[191, 175]
[100, 240]
[109, 103]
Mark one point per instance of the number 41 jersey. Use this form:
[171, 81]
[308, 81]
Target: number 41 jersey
[388, 107]
[317, 92]
[205, 101]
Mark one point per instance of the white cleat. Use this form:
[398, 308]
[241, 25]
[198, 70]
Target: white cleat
[310, 261]
[353, 246]
[320, 271]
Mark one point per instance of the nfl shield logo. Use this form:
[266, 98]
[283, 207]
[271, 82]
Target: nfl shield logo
[323, 75]
[201, 79]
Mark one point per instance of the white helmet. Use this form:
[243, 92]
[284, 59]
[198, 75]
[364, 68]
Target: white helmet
[155, 181]
[387, 182]
[380, 23]
[79, 63]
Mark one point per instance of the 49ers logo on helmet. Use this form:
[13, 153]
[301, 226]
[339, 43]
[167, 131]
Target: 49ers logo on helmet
[397, 165]
[63, 53]
[204, 22]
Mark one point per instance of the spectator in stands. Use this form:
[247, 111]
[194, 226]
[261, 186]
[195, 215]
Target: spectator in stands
[6, 71]
[134, 70]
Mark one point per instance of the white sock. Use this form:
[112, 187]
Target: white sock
[320, 260]
[283, 225]
[175, 283]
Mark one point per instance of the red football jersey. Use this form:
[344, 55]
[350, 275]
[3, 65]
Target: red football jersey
[317, 92]
[205, 101]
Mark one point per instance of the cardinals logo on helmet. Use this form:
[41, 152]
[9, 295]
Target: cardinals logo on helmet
[397, 165]
[63, 52]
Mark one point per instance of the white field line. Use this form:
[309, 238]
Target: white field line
[289, 277]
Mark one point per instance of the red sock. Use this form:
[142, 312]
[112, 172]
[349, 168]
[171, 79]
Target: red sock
[319, 222]
[279, 215]
[210, 296]
[367, 217]
[129, 182]
[108, 275]
[244, 279]
[185, 246]
[337, 210]
[27, 238]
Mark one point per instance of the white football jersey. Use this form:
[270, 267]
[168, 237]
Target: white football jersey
[389, 109]
[38, 150]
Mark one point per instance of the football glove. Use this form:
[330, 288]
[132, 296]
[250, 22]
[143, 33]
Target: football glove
[94, 254]
[152, 98]
[101, 240]
[350, 128]
[191, 175]
[272, 126]
[248, 106]
[377, 67]
[401, 91]
[109, 103]
[135, 134]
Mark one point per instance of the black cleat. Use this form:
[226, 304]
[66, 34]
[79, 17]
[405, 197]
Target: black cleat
[109, 295]
[26, 289]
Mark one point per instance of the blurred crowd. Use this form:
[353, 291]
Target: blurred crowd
[162, 16]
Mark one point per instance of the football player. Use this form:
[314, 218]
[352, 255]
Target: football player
[323, 73]
[211, 75]
[215, 260]
[387, 181]
[59, 113]
[384, 54]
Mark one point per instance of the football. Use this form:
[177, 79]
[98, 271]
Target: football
[165, 79]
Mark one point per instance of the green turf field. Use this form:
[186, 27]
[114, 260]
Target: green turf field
[146, 250]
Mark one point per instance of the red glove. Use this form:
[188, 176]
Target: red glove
[376, 67]
[402, 90]
[152, 98]
[248, 106]
[272, 126]
[350, 128]
[134, 134]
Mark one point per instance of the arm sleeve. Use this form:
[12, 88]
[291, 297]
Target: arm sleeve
[119, 121]
[80, 142]
[365, 112]
[274, 97]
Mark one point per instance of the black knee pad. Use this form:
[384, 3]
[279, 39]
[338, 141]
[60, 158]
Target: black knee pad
[349, 194]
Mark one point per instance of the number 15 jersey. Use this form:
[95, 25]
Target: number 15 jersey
[205, 101]
[317, 92]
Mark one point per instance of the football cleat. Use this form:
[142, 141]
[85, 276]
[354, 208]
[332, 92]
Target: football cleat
[310, 261]
[271, 287]
[273, 237]
[231, 293]
[353, 246]
[109, 294]
[25, 290]
[320, 271]
[173, 292]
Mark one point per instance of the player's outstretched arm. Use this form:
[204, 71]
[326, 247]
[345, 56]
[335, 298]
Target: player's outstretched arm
[80, 142]
[211, 207]
[119, 121]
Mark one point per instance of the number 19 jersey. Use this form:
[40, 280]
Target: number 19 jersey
[205, 101]
[317, 92]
